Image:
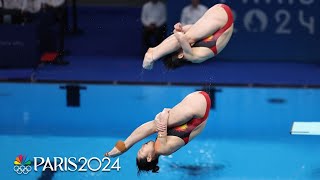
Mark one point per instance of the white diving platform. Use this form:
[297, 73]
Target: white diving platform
[305, 128]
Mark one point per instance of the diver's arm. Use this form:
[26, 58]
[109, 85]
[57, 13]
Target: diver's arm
[138, 134]
[192, 54]
[186, 47]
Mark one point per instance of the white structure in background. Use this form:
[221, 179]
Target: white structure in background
[32, 6]
[305, 128]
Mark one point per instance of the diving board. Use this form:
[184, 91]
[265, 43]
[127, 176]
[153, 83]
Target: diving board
[305, 128]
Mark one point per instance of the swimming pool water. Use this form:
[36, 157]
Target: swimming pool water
[246, 137]
[291, 159]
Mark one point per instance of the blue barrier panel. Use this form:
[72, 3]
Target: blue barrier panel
[268, 30]
[108, 31]
[19, 46]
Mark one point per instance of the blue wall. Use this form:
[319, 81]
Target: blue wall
[117, 110]
[108, 31]
[291, 32]
[274, 31]
[19, 45]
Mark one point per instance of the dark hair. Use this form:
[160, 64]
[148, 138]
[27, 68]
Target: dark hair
[171, 61]
[145, 166]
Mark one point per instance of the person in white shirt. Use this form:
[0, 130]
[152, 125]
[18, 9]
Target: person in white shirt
[193, 12]
[153, 18]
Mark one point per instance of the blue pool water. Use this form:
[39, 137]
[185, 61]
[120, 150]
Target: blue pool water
[246, 137]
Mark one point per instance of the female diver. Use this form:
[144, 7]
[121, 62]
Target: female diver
[194, 43]
[175, 127]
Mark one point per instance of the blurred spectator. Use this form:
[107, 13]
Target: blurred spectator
[191, 13]
[153, 17]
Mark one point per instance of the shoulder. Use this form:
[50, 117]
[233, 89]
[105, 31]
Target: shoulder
[173, 144]
[200, 54]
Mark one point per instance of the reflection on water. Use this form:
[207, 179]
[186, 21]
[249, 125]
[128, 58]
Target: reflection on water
[315, 173]
[198, 170]
[48, 174]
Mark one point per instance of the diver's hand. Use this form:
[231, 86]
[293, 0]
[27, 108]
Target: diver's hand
[178, 34]
[161, 120]
[165, 114]
[113, 153]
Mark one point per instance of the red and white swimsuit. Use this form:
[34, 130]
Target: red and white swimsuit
[184, 131]
[210, 42]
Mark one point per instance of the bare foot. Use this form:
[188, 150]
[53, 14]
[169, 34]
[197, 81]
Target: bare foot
[113, 153]
[148, 59]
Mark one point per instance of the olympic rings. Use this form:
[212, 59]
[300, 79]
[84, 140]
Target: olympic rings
[22, 169]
